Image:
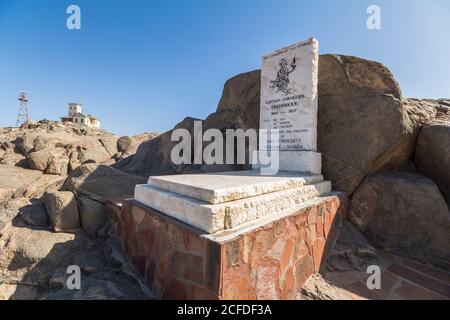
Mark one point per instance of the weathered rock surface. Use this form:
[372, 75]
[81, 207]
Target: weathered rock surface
[153, 157]
[124, 143]
[404, 212]
[241, 96]
[29, 253]
[420, 112]
[126, 150]
[14, 159]
[56, 148]
[319, 288]
[11, 209]
[351, 251]
[13, 178]
[35, 215]
[363, 126]
[5, 195]
[92, 215]
[49, 160]
[38, 187]
[62, 210]
[33, 265]
[102, 182]
[432, 155]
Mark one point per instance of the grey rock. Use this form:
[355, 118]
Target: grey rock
[153, 157]
[432, 155]
[35, 215]
[49, 160]
[92, 215]
[59, 278]
[124, 143]
[102, 182]
[241, 96]
[363, 126]
[404, 212]
[62, 210]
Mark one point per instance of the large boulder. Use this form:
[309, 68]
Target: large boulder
[36, 188]
[432, 155]
[31, 246]
[363, 126]
[62, 209]
[124, 143]
[13, 178]
[404, 212]
[5, 195]
[102, 182]
[49, 160]
[34, 215]
[14, 159]
[241, 96]
[92, 215]
[55, 148]
[153, 157]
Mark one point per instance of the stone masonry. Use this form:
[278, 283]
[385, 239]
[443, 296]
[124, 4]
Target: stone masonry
[270, 260]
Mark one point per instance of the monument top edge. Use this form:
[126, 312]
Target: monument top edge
[311, 41]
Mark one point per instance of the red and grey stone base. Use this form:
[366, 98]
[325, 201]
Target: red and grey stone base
[269, 258]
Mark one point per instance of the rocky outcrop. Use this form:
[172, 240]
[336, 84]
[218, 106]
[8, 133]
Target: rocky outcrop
[34, 164]
[420, 112]
[35, 214]
[14, 180]
[62, 210]
[56, 148]
[92, 216]
[127, 146]
[124, 143]
[102, 182]
[49, 160]
[153, 157]
[404, 212]
[432, 155]
[363, 126]
[240, 97]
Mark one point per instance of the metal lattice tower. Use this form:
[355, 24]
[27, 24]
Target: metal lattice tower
[23, 116]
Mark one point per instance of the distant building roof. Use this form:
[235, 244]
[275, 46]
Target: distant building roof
[80, 115]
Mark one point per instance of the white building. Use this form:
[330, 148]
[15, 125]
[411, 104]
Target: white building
[75, 115]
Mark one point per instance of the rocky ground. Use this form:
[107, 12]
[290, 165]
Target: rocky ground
[44, 230]
[390, 154]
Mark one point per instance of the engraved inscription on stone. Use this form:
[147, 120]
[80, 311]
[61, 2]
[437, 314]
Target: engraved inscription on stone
[289, 97]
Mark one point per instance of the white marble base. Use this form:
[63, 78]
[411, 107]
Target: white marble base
[229, 186]
[296, 161]
[283, 194]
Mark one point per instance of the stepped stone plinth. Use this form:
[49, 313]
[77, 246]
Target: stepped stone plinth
[221, 201]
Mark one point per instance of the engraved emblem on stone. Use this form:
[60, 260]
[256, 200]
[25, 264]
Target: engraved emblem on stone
[281, 83]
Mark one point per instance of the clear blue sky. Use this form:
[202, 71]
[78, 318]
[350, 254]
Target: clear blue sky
[143, 65]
